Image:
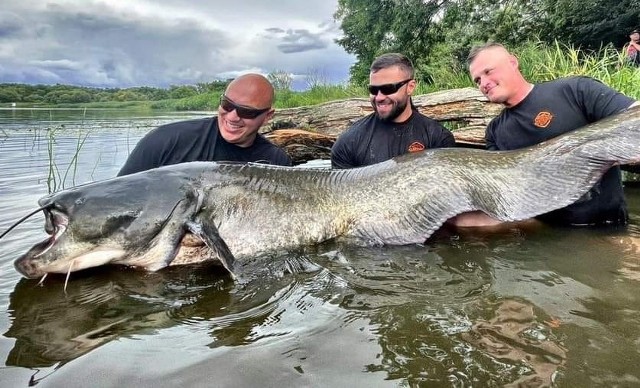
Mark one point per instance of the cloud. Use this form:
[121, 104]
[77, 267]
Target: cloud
[301, 40]
[119, 43]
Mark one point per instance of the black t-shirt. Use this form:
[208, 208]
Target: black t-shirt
[551, 109]
[371, 140]
[197, 140]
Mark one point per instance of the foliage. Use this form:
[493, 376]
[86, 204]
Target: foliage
[589, 24]
[375, 27]
[438, 34]
[182, 91]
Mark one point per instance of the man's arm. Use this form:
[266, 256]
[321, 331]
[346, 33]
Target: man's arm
[342, 153]
[446, 138]
[599, 100]
[489, 138]
[145, 156]
[281, 158]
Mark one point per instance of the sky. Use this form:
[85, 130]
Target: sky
[125, 43]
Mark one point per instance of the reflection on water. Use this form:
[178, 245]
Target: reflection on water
[515, 336]
[520, 308]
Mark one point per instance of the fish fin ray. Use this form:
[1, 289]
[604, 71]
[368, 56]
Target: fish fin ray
[208, 233]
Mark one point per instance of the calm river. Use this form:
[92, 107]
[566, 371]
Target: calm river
[542, 307]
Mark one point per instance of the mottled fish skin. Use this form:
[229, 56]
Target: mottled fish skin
[247, 210]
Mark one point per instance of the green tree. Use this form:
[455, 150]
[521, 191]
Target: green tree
[437, 35]
[9, 95]
[216, 87]
[182, 91]
[79, 96]
[366, 25]
[127, 95]
[589, 23]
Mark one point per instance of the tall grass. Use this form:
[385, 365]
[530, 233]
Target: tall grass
[318, 94]
[540, 62]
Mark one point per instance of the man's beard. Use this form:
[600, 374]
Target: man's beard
[394, 113]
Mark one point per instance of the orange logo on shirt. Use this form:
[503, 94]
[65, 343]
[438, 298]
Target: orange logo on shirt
[415, 147]
[543, 119]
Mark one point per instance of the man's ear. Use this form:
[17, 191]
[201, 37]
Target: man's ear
[268, 116]
[411, 86]
[513, 60]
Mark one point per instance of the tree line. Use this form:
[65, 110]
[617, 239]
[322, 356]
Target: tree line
[69, 94]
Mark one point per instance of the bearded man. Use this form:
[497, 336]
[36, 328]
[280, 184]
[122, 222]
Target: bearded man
[395, 127]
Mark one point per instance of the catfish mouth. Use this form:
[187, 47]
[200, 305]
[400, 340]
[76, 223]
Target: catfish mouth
[56, 223]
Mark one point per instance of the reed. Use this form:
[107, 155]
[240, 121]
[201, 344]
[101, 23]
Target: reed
[56, 180]
[53, 176]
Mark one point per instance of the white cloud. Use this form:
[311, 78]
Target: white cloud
[158, 43]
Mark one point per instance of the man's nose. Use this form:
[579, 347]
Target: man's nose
[483, 83]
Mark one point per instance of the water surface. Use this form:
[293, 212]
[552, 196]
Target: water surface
[531, 307]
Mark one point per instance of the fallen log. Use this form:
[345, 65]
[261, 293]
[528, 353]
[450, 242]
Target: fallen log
[308, 132]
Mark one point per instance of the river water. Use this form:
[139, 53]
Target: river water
[532, 307]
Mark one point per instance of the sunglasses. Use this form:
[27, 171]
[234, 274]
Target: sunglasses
[387, 89]
[244, 112]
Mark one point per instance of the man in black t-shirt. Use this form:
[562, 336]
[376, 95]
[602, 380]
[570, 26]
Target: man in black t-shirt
[395, 127]
[231, 136]
[535, 113]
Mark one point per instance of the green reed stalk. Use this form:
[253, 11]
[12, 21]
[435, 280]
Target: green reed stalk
[52, 181]
[74, 160]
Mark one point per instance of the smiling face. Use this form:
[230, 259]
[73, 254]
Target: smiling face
[495, 72]
[395, 106]
[249, 91]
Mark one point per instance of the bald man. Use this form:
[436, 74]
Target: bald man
[245, 106]
[535, 113]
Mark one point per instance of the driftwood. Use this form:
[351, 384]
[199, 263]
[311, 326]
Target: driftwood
[307, 133]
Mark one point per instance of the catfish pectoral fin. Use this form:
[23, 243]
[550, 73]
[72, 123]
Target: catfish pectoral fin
[209, 234]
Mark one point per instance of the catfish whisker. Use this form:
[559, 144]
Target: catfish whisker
[68, 274]
[22, 219]
[42, 280]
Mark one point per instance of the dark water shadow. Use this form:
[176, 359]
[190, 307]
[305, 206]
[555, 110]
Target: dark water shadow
[53, 326]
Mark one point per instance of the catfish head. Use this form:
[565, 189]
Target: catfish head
[136, 220]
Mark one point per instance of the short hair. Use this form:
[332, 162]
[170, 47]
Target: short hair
[388, 60]
[478, 49]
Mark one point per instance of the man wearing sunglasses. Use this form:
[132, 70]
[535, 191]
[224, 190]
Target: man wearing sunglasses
[395, 127]
[233, 135]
